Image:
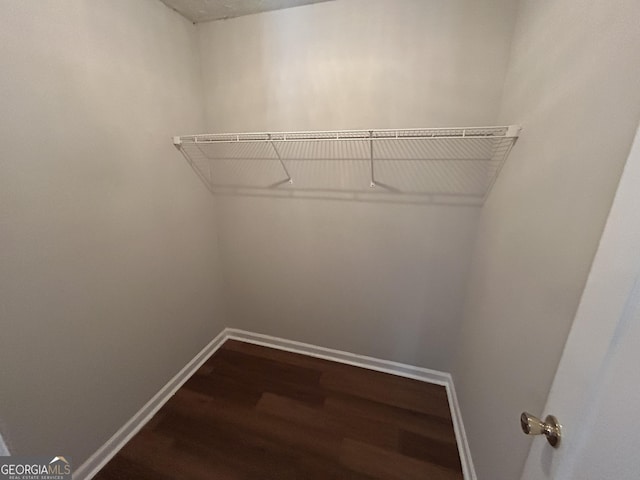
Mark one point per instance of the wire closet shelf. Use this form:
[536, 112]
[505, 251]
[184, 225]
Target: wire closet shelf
[419, 165]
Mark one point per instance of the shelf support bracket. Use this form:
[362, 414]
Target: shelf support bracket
[373, 180]
[284, 167]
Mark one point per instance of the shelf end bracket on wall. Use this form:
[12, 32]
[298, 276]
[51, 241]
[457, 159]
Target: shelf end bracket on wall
[284, 167]
[513, 131]
[177, 142]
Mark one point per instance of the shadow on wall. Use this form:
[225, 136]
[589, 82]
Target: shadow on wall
[393, 198]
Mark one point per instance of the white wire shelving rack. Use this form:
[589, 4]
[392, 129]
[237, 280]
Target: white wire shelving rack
[418, 165]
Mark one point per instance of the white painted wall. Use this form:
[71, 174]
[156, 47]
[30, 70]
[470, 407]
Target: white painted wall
[574, 85]
[382, 280]
[351, 64]
[107, 240]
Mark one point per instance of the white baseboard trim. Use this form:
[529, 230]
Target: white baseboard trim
[371, 363]
[105, 453]
[468, 469]
[99, 459]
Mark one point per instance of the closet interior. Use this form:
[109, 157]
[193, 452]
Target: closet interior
[416, 187]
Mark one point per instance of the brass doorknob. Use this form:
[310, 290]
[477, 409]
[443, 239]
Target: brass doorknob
[550, 428]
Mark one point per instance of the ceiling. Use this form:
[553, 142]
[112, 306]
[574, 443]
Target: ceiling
[206, 10]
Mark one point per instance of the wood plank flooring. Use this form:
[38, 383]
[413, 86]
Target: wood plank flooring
[252, 413]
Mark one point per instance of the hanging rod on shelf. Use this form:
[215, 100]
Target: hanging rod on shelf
[430, 163]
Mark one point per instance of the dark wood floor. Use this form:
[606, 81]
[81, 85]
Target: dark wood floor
[257, 413]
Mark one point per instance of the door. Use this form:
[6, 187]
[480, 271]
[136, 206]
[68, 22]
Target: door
[596, 391]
